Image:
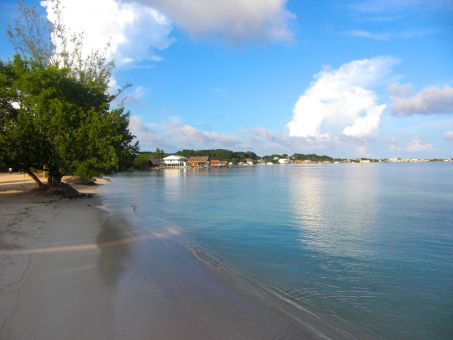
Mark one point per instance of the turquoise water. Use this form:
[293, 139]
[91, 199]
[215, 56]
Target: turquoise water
[368, 246]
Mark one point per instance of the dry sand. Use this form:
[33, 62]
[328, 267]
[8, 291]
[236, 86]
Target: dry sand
[17, 182]
[68, 270]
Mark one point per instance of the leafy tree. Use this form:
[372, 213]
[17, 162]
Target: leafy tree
[142, 160]
[56, 123]
[56, 113]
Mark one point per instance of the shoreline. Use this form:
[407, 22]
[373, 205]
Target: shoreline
[70, 269]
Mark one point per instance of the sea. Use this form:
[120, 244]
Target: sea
[364, 246]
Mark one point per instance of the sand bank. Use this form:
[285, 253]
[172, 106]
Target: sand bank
[68, 270]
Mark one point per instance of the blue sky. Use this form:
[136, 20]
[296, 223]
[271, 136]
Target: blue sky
[345, 78]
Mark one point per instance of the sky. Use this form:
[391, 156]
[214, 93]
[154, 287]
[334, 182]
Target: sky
[347, 78]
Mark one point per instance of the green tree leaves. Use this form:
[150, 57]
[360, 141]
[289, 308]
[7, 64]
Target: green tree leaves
[52, 121]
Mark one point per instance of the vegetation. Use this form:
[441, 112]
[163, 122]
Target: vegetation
[312, 157]
[142, 159]
[273, 158]
[220, 154]
[55, 110]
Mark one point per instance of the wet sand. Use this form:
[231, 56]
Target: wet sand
[69, 270]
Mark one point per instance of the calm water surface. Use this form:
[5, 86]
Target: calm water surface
[368, 246]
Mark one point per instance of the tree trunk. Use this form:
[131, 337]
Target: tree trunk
[54, 180]
[55, 185]
[35, 178]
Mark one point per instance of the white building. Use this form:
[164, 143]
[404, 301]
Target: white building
[283, 161]
[175, 161]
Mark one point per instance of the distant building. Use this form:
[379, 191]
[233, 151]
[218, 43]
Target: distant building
[199, 161]
[249, 161]
[217, 163]
[283, 161]
[175, 161]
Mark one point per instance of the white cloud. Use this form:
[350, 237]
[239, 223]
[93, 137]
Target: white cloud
[387, 36]
[449, 136]
[400, 90]
[392, 6]
[343, 98]
[174, 134]
[416, 144]
[366, 125]
[146, 134]
[184, 135]
[430, 100]
[133, 31]
[234, 20]
[368, 35]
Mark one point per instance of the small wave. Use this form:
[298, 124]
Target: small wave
[274, 297]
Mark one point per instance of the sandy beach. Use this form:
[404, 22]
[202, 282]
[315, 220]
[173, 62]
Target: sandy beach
[69, 270]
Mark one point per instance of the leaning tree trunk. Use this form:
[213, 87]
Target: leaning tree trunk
[35, 178]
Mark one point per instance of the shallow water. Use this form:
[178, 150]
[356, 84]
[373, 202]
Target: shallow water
[366, 246]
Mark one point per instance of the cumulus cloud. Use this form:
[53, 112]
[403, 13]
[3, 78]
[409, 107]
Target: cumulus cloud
[133, 31]
[147, 134]
[185, 135]
[343, 98]
[234, 20]
[449, 136]
[430, 100]
[174, 134]
[416, 144]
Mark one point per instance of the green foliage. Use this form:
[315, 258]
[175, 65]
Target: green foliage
[59, 123]
[220, 154]
[141, 161]
[312, 157]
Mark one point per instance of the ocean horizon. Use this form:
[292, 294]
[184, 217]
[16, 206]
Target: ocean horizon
[366, 247]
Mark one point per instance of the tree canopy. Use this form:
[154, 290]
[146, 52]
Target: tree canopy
[56, 113]
[54, 122]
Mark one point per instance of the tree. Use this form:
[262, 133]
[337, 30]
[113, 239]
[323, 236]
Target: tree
[56, 112]
[54, 122]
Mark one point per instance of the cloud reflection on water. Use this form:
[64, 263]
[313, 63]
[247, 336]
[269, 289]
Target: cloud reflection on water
[333, 209]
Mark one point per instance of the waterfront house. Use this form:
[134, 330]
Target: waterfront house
[199, 161]
[174, 161]
[249, 161]
[283, 161]
[217, 163]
